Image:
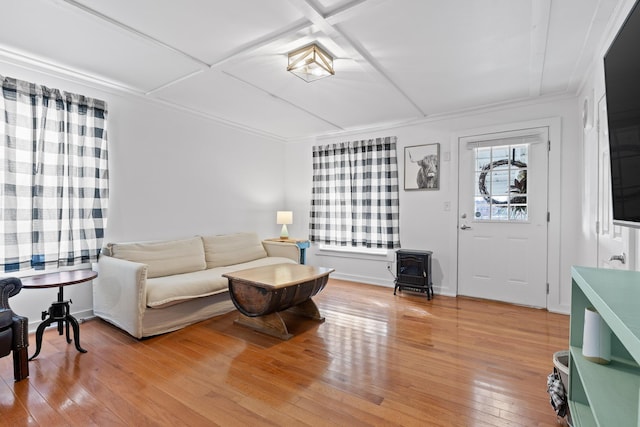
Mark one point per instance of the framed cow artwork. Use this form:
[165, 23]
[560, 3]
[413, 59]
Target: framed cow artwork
[422, 167]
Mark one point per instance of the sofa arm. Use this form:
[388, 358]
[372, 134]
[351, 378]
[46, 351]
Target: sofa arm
[282, 249]
[120, 293]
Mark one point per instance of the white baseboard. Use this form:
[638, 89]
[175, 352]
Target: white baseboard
[387, 283]
[560, 309]
[438, 290]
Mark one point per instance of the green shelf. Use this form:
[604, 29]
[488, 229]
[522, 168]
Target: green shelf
[616, 296]
[612, 390]
[606, 395]
[581, 415]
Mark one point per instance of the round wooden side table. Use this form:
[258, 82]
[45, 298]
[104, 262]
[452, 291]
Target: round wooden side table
[59, 310]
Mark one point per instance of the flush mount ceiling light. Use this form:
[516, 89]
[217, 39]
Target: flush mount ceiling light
[310, 63]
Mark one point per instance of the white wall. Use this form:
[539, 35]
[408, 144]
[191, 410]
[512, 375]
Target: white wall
[592, 91]
[424, 222]
[172, 174]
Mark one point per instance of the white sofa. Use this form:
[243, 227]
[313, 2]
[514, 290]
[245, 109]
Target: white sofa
[149, 288]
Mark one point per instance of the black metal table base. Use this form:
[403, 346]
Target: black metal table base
[59, 312]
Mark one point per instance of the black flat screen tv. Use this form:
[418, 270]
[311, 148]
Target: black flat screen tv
[622, 85]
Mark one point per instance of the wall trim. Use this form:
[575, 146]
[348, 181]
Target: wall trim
[434, 118]
[40, 65]
[387, 283]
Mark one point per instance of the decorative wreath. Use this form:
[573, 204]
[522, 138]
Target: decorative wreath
[519, 186]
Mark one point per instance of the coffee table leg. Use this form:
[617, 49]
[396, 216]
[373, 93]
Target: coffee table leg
[270, 324]
[308, 309]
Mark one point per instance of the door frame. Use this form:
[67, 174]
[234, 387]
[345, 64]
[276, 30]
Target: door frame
[554, 299]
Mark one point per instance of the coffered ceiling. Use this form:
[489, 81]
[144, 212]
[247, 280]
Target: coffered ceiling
[397, 61]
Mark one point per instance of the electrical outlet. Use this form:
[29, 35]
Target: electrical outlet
[447, 206]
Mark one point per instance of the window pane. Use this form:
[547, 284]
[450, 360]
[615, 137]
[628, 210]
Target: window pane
[519, 181]
[499, 213]
[518, 213]
[498, 199]
[481, 209]
[500, 153]
[500, 182]
[521, 153]
[482, 184]
[483, 158]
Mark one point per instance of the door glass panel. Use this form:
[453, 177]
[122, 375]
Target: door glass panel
[478, 185]
[521, 153]
[481, 209]
[501, 183]
[499, 153]
[483, 159]
[499, 212]
[518, 212]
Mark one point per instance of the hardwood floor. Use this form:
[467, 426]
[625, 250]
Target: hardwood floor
[377, 360]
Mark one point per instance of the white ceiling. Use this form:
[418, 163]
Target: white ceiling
[397, 60]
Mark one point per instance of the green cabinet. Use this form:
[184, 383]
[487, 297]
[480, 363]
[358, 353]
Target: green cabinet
[606, 395]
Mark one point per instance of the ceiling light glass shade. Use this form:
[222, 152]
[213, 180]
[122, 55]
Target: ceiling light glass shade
[310, 63]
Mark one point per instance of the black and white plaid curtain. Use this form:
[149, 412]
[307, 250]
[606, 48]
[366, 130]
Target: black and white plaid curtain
[53, 166]
[355, 194]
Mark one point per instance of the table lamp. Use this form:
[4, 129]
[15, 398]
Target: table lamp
[284, 218]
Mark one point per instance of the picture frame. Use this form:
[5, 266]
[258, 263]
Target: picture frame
[422, 167]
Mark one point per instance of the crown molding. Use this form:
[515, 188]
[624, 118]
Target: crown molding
[42, 66]
[434, 118]
[53, 69]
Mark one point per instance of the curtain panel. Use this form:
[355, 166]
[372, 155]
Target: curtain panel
[54, 172]
[355, 194]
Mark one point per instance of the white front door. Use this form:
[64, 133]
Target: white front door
[614, 241]
[502, 224]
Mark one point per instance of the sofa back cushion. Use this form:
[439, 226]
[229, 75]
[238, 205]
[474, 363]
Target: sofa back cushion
[163, 258]
[230, 249]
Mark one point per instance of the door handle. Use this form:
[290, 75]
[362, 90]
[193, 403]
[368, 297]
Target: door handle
[465, 227]
[622, 258]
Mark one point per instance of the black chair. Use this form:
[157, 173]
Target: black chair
[14, 329]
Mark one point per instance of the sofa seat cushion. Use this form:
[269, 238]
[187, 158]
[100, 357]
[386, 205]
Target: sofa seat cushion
[169, 290]
[163, 258]
[231, 249]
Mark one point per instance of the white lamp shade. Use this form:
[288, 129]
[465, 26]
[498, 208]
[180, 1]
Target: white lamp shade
[284, 217]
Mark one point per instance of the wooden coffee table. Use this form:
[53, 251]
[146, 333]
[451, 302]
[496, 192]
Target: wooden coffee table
[261, 293]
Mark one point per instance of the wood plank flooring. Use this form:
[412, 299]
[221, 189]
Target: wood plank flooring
[378, 360]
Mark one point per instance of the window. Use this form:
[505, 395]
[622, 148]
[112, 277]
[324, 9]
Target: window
[501, 183]
[54, 171]
[355, 194]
